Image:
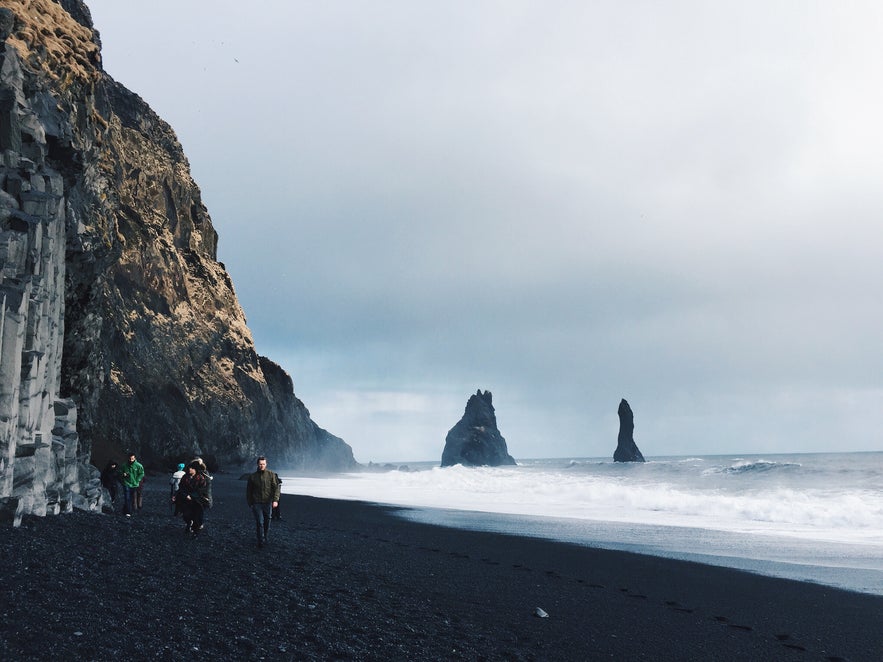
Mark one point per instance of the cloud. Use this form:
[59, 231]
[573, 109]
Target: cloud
[565, 204]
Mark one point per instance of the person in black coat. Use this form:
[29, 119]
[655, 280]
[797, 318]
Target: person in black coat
[193, 497]
[110, 480]
[277, 514]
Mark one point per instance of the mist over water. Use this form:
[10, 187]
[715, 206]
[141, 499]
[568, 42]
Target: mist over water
[815, 517]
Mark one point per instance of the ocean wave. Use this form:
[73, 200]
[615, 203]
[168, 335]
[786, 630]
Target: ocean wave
[639, 494]
[753, 466]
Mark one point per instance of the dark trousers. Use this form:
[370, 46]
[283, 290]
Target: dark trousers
[128, 499]
[192, 512]
[261, 512]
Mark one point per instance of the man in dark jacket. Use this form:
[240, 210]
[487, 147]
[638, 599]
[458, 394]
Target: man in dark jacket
[277, 514]
[110, 479]
[262, 494]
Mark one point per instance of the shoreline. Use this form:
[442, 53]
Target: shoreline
[703, 546]
[350, 580]
[784, 515]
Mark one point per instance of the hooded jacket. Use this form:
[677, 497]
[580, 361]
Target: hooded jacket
[135, 471]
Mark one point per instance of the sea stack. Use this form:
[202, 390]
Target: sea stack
[626, 448]
[475, 440]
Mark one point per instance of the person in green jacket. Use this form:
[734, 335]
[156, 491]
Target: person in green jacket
[262, 494]
[131, 475]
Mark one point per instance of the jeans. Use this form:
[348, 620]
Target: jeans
[128, 499]
[261, 512]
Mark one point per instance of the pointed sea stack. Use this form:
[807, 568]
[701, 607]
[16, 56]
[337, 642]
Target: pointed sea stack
[475, 440]
[626, 448]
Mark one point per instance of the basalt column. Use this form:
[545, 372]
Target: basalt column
[39, 468]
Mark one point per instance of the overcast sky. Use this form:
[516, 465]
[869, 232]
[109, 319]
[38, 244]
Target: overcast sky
[566, 203]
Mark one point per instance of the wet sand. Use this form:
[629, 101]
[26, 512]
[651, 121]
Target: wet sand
[346, 580]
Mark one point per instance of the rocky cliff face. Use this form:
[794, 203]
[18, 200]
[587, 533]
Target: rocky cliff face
[626, 448]
[475, 439]
[113, 300]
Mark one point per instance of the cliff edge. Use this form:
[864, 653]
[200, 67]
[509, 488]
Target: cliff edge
[113, 302]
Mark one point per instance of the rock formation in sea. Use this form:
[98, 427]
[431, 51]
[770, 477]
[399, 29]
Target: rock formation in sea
[119, 329]
[626, 448]
[475, 439]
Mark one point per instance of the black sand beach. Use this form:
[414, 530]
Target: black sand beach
[349, 581]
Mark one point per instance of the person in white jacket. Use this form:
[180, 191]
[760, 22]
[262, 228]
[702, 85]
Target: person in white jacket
[174, 482]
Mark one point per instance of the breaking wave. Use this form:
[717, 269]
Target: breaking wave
[747, 466]
[818, 518]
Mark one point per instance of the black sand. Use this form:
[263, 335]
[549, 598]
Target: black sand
[345, 580]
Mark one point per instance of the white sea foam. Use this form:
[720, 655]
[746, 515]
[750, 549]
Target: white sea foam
[835, 514]
[831, 507]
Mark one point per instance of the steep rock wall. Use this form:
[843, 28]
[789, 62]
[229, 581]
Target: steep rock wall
[43, 468]
[126, 317]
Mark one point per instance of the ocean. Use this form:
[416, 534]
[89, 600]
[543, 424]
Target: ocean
[810, 517]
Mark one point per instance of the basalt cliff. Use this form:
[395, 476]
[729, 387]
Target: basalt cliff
[475, 440]
[119, 329]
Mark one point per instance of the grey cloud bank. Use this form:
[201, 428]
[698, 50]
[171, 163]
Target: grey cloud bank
[563, 203]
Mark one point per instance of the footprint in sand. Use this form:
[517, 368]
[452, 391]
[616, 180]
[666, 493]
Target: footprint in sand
[735, 626]
[677, 606]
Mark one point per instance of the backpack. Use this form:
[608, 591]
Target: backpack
[175, 482]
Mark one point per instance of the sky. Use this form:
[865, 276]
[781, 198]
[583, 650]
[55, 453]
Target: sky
[565, 203]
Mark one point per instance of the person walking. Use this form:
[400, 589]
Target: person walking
[174, 484]
[131, 475]
[203, 469]
[193, 498]
[262, 494]
[110, 480]
[277, 514]
[139, 495]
